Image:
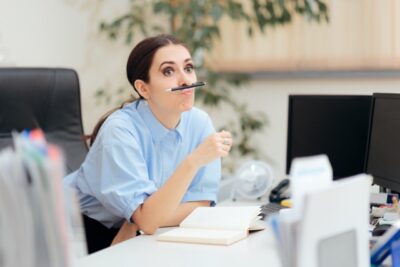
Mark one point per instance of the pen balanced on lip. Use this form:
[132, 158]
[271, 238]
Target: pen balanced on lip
[193, 85]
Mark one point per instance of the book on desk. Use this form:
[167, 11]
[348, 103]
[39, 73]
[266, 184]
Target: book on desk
[216, 225]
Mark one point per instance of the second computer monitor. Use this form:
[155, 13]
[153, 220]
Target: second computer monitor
[335, 125]
[383, 161]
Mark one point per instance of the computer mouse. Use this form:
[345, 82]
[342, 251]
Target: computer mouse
[380, 229]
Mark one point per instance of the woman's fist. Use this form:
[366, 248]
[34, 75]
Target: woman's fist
[214, 146]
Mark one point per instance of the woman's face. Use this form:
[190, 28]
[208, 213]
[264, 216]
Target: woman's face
[172, 66]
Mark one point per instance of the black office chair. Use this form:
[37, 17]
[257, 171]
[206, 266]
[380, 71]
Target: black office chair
[43, 98]
[49, 98]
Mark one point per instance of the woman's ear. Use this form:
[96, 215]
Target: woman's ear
[142, 88]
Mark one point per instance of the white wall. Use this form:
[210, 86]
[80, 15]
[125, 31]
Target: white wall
[63, 33]
[42, 33]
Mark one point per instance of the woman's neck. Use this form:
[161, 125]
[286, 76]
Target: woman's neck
[168, 120]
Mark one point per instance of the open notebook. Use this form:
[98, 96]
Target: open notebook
[216, 225]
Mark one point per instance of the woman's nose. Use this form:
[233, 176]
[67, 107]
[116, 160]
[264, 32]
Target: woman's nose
[185, 79]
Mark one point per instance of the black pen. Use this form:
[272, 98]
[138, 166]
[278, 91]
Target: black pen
[197, 84]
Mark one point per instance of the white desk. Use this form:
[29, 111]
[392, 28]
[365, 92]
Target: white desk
[256, 250]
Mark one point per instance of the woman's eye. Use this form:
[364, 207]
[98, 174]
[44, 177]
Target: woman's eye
[168, 71]
[189, 68]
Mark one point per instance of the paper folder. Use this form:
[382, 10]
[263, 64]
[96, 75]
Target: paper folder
[333, 230]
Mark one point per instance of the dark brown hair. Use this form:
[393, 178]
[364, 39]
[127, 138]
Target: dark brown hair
[137, 68]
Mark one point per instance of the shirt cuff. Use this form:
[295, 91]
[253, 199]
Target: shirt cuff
[130, 209]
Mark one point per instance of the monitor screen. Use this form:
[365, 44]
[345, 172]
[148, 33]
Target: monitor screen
[383, 161]
[335, 125]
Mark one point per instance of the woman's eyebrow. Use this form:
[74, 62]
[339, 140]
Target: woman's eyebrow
[173, 62]
[166, 62]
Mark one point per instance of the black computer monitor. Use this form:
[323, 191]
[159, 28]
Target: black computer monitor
[383, 161]
[335, 125]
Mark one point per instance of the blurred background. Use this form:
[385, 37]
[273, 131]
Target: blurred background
[262, 54]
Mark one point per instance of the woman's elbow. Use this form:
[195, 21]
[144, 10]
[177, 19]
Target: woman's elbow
[148, 229]
[147, 226]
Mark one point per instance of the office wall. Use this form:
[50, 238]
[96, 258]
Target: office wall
[64, 33]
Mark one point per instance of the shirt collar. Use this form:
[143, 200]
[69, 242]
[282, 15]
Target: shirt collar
[181, 126]
[158, 131]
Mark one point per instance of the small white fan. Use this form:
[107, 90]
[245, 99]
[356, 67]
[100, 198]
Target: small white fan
[252, 180]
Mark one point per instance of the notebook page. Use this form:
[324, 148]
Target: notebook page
[227, 218]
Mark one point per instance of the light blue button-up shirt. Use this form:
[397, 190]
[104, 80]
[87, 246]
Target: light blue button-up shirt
[133, 156]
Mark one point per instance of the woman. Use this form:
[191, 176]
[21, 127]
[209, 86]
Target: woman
[156, 159]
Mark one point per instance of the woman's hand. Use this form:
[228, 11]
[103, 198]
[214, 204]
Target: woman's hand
[215, 146]
[127, 231]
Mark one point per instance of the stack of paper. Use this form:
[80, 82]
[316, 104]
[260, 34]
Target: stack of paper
[33, 223]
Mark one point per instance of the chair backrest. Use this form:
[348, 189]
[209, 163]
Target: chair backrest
[46, 98]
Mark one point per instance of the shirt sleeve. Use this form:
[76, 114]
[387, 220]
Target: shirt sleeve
[116, 172]
[205, 185]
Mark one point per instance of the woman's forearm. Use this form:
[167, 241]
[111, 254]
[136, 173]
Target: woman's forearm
[158, 209]
[128, 230]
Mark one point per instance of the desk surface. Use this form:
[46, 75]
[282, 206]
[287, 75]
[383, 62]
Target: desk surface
[258, 249]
